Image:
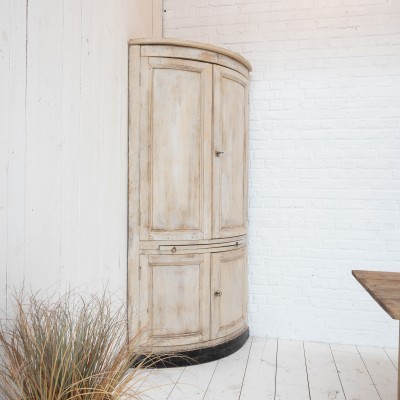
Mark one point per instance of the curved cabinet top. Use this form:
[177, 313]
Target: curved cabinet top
[208, 53]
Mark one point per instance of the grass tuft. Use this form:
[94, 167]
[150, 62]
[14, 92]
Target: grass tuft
[73, 347]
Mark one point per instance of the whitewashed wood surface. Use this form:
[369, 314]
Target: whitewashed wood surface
[269, 369]
[63, 143]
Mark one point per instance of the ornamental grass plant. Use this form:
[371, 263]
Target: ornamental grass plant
[73, 347]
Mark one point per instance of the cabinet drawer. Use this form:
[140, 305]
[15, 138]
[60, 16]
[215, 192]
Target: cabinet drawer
[201, 248]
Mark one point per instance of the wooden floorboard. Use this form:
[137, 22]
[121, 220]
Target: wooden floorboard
[259, 380]
[323, 377]
[270, 369]
[393, 354]
[291, 374]
[226, 382]
[381, 370]
[160, 383]
[193, 383]
[357, 383]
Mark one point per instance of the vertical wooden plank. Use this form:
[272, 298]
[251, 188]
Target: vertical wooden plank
[133, 192]
[193, 383]
[70, 163]
[259, 381]
[4, 121]
[124, 32]
[356, 382]
[291, 374]
[323, 377]
[226, 382]
[89, 150]
[114, 263]
[381, 370]
[16, 125]
[43, 142]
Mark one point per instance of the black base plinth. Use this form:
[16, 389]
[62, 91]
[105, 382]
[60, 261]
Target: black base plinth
[193, 357]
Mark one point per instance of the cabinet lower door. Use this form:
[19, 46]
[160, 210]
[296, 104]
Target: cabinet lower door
[174, 299]
[228, 292]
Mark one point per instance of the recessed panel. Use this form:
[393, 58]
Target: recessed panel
[176, 300]
[232, 275]
[233, 161]
[176, 150]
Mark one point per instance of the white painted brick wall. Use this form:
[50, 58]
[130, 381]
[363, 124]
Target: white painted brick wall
[324, 156]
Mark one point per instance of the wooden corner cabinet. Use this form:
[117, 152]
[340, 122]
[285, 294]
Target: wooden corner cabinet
[188, 135]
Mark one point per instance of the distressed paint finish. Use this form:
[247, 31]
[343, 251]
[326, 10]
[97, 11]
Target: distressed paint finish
[230, 138]
[176, 145]
[176, 290]
[188, 224]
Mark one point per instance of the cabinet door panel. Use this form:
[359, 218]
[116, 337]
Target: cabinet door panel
[228, 292]
[175, 301]
[175, 149]
[230, 166]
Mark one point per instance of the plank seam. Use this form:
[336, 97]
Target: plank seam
[209, 382]
[245, 370]
[305, 363]
[370, 377]
[384, 349]
[340, 380]
[276, 366]
[176, 382]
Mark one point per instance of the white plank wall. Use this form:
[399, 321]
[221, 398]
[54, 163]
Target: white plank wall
[63, 144]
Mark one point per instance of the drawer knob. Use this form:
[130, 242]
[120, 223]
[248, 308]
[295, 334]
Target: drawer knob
[173, 249]
[218, 293]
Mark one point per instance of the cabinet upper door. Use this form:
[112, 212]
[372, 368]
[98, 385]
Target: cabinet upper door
[230, 153]
[175, 149]
[175, 299]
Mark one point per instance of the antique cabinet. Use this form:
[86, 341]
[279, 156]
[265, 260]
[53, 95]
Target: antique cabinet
[188, 134]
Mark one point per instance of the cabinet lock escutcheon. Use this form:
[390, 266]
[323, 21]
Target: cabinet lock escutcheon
[218, 293]
[218, 153]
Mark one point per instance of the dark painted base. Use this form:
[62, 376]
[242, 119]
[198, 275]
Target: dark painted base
[193, 357]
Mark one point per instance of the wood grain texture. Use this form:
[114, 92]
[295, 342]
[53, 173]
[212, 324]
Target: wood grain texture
[229, 309]
[291, 374]
[384, 287]
[194, 45]
[230, 167]
[175, 128]
[322, 375]
[226, 383]
[175, 290]
[381, 370]
[363, 373]
[64, 198]
[172, 238]
[193, 383]
[259, 380]
[13, 125]
[354, 376]
[43, 142]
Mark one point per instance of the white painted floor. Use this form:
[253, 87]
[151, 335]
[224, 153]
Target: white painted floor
[269, 369]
